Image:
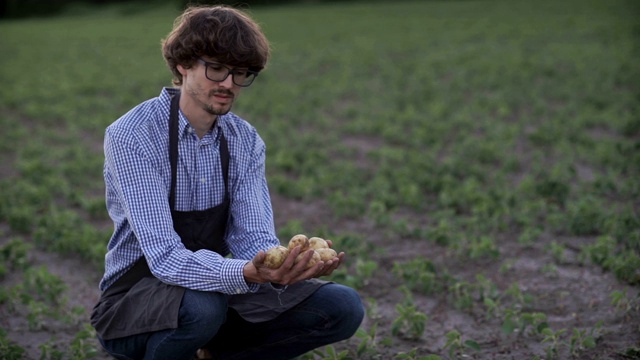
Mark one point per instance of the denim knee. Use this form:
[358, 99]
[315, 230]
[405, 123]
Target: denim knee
[203, 312]
[354, 310]
[345, 307]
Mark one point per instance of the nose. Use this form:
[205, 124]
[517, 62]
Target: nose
[228, 82]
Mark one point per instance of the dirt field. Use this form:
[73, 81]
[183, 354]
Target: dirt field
[573, 297]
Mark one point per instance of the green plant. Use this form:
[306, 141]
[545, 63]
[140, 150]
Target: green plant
[440, 233]
[486, 288]
[365, 270]
[456, 347]
[520, 298]
[370, 341]
[600, 252]
[419, 274]
[37, 315]
[554, 338]
[360, 277]
[328, 353]
[410, 322]
[83, 345]
[43, 286]
[626, 267]
[412, 355]
[462, 293]
[530, 235]
[557, 252]
[586, 216]
[493, 307]
[483, 247]
[553, 188]
[15, 254]
[621, 301]
[50, 351]
[584, 339]
[516, 320]
[8, 349]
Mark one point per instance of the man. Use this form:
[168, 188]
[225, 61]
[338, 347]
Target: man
[186, 189]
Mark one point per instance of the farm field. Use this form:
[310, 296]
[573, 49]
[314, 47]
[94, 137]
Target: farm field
[478, 161]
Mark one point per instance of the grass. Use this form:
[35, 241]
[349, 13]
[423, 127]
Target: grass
[459, 124]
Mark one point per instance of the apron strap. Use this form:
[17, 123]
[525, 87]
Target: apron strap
[173, 147]
[173, 152]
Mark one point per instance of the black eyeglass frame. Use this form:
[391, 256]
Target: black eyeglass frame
[230, 71]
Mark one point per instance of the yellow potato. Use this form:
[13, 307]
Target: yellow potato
[327, 254]
[314, 259]
[299, 240]
[318, 243]
[275, 256]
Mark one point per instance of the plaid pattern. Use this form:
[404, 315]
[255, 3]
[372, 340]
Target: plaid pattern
[137, 177]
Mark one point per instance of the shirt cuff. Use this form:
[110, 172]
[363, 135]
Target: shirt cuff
[233, 270]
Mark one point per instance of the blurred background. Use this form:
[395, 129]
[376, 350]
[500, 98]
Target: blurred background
[477, 160]
[30, 8]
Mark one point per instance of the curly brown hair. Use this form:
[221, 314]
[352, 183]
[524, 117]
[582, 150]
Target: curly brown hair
[226, 34]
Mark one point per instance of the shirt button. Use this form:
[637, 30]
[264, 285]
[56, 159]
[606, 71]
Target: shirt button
[203, 180]
[238, 291]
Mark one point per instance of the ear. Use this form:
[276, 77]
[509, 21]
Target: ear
[181, 69]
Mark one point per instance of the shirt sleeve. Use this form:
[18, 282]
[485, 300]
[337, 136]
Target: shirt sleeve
[141, 194]
[251, 228]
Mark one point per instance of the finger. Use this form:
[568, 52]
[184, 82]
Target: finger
[324, 270]
[316, 270]
[258, 260]
[303, 259]
[334, 264]
[309, 273]
[289, 262]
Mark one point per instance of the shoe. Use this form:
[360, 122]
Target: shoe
[203, 354]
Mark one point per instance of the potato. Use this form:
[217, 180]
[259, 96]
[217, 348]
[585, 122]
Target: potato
[299, 240]
[318, 243]
[314, 259]
[327, 254]
[275, 256]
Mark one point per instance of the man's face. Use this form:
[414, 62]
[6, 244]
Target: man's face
[214, 97]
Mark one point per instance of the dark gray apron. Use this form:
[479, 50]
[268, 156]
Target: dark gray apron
[138, 302]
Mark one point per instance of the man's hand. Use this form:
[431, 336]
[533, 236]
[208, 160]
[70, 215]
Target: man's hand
[290, 272]
[331, 265]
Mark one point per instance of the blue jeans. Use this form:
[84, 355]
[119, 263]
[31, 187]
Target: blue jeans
[333, 313]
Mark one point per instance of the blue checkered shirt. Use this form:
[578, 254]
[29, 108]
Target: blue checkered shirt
[137, 176]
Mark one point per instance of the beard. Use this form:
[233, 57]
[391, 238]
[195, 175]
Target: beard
[203, 99]
[221, 110]
[216, 111]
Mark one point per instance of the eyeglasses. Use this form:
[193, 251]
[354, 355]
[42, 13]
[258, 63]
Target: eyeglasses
[218, 73]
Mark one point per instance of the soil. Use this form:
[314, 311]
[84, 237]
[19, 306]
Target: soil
[572, 296]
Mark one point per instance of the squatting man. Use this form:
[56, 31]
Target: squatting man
[186, 189]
